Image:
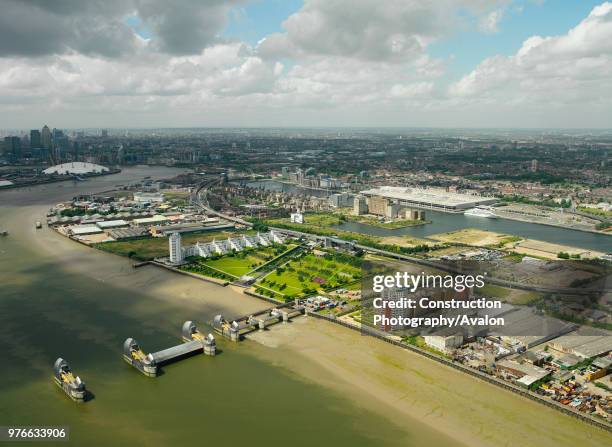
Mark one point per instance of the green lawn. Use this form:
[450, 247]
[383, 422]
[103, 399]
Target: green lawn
[595, 211]
[311, 220]
[394, 224]
[494, 291]
[310, 273]
[243, 262]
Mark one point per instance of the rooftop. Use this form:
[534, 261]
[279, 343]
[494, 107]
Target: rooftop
[437, 197]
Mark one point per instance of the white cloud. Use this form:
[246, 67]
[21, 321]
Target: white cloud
[342, 62]
[490, 22]
[576, 66]
[393, 31]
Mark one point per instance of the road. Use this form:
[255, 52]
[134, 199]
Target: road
[199, 198]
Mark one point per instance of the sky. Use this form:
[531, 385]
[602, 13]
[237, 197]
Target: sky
[310, 63]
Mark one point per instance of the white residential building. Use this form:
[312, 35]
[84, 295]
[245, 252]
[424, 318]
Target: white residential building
[237, 244]
[297, 217]
[176, 251]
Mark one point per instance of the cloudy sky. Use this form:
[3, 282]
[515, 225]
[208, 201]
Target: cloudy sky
[407, 63]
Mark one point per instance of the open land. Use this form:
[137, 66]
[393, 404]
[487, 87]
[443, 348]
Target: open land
[475, 237]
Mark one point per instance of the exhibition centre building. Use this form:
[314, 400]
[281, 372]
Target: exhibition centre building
[436, 199]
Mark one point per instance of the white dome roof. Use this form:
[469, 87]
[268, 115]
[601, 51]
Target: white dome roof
[76, 167]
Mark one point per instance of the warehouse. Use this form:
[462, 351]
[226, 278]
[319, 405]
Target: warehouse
[584, 343]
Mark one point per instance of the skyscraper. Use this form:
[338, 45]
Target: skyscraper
[46, 137]
[35, 141]
[12, 147]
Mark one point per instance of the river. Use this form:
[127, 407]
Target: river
[59, 298]
[443, 222]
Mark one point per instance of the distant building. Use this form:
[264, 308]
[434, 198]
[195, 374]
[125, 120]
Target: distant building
[150, 197]
[35, 139]
[423, 198]
[104, 133]
[12, 147]
[297, 217]
[77, 168]
[157, 219]
[393, 210]
[444, 343]
[377, 205]
[285, 172]
[360, 206]
[328, 182]
[236, 244]
[342, 200]
[46, 137]
[534, 165]
[176, 251]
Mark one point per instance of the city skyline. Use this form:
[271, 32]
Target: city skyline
[415, 64]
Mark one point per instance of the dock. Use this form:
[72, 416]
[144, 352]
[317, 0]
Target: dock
[148, 364]
[237, 328]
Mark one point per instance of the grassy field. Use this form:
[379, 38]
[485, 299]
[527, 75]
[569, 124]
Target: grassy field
[394, 224]
[310, 273]
[241, 263]
[317, 220]
[512, 296]
[153, 247]
[596, 212]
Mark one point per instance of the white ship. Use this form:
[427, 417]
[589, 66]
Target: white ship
[480, 211]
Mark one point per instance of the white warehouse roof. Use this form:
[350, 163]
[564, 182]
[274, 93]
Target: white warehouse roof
[76, 167]
[112, 224]
[81, 230]
[429, 197]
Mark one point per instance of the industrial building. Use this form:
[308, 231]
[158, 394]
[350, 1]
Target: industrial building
[584, 343]
[341, 200]
[435, 199]
[524, 374]
[360, 206]
[148, 197]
